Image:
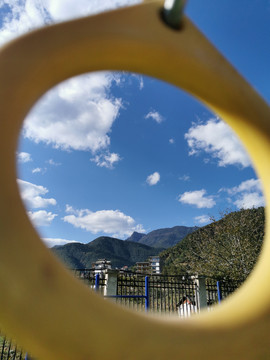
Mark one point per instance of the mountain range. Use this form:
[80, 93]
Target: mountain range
[138, 247]
[227, 248]
[162, 238]
[119, 252]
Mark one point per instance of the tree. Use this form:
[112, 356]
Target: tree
[225, 249]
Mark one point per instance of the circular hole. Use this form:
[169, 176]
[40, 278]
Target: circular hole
[105, 157]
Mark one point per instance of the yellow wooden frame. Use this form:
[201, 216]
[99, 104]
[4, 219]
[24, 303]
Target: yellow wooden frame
[42, 305]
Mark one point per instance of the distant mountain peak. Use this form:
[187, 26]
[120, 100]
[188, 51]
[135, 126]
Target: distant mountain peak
[138, 247]
[163, 238]
[119, 252]
[135, 237]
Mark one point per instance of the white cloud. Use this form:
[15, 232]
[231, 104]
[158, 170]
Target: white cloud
[70, 210]
[140, 80]
[130, 79]
[153, 179]
[217, 139]
[155, 116]
[53, 163]
[39, 170]
[184, 177]
[250, 200]
[141, 83]
[36, 170]
[247, 195]
[197, 198]
[202, 219]
[50, 242]
[107, 160]
[104, 221]
[24, 157]
[24, 15]
[171, 141]
[247, 185]
[41, 217]
[66, 9]
[76, 115]
[33, 195]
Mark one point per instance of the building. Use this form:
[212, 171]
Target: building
[152, 266]
[101, 265]
[142, 267]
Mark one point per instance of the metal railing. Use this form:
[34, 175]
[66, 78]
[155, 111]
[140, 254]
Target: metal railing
[130, 284]
[218, 290]
[168, 294]
[88, 277]
[162, 294]
[173, 294]
[136, 295]
[9, 350]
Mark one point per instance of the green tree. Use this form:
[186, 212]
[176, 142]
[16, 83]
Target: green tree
[225, 249]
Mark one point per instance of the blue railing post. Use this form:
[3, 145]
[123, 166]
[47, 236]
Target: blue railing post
[219, 293]
[146, 294]
[97, 282]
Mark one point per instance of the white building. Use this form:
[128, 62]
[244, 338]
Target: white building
[154, 265]
[101, 265]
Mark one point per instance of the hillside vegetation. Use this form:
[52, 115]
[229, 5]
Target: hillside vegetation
[225, 249]
[119, 252]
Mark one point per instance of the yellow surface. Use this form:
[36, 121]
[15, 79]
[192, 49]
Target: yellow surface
[42, 305]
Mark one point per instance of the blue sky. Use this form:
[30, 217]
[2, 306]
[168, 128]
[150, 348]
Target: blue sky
[112, 153]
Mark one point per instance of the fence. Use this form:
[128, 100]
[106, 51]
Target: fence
[171, 294]
[166, 294]
[9, 350]
[162, 294]
[219, 290]
[88, 277]
[129, 291]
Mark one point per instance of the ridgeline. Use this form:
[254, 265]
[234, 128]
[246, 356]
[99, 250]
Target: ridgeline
[225, 249]
[119, 252]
